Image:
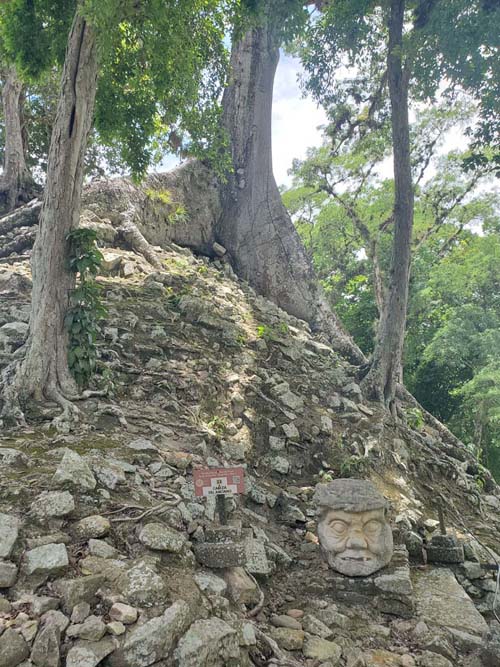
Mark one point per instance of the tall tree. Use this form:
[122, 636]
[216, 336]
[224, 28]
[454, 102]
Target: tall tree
[151, 80]
[386, 364]
[352, 34]
[255, 226]
[16, 182]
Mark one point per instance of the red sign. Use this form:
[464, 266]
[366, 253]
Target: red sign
[218, 481]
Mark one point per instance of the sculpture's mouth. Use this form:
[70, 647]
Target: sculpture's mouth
[356, 557]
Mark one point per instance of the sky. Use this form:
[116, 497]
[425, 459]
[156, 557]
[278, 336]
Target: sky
[295, 119]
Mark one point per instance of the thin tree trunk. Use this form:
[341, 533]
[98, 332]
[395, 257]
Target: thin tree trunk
[255, 227]
[16, 183]
[386, 368]
[44, 372]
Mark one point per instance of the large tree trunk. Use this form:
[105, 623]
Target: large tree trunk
[386, 368]
[16, 183]
[44, 372]
[255, 227]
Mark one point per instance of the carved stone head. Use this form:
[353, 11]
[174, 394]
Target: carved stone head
[353, 531]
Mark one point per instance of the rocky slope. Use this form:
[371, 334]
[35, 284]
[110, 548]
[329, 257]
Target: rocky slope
[107, 557]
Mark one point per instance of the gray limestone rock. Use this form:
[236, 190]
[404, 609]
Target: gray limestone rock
[74, 591]
[211, 643]
[47, 559]
[210, 583]
[45, 650]
[445, 549]
[53, 504]
[73, 471]
[256, 558]
[159, 537]
[223, 555]
[141, 584]
[9, 528]
[123, 613]
[89, 654]
[429, 659]
[94, 526]
[322, 649]
[154, 640]
[8, 574]
[13, 649]
[242, 589]
[101, 549]
[441, 601]
[92, 629]
[290, 639]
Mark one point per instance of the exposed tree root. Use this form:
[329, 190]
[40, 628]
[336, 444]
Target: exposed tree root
[131, 235]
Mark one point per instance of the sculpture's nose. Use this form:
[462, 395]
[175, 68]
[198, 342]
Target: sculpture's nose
[356, 540]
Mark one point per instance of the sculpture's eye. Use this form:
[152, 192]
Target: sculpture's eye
[372, 528]
[338, 527]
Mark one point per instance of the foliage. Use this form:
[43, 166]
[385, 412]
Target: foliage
[177, 212]
[341, 204]
[162, 69]
[86, 308]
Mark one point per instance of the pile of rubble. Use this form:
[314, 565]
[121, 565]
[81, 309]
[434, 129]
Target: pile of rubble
[108, 557]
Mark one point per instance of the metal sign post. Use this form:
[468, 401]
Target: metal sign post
[221, 483]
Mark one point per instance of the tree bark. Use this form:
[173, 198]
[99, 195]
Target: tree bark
[44, 372]
[16, 183]
[255, 228]
[386, 367]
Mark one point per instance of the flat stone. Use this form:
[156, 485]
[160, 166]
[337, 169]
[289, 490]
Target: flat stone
[210, 583]
[45, 650]
[89, 654]
[9, 528]
[8, 574]
[241, 588]
[74, 591]
[109, 474]
[397, 582]
[210, 643]
[141, 585]
[13, 648]
[285, 621]
[473, 570]
[380, 657]
[256, 558]
[154, 640]
[74, 471]
[101, 549]
[292, 401]
[322, 649]
[123, 613]
[443, 602]
[116, 628]
[80, 612]
[290, 431]
[47, 559]
[55, 617]
[37, 604]
[230, 554]
[280, 464]
[314, 626]
[428, 659]
[93, 527]
[92, 629]
[142, 445]
[288, 638]
[159, 537]
[53, 504]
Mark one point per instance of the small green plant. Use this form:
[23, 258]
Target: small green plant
[351, 466]
[177, 212]
[414, 418]
[86, 308]
[270, 333]
[217, 424]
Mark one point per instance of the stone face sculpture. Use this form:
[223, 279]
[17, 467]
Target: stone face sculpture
[353, 531]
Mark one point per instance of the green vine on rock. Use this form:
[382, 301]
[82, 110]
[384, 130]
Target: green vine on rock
[86, 308]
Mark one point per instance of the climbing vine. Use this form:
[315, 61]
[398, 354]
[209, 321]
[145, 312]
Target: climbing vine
[86, 307]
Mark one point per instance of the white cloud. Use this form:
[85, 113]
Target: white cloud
[295, 119]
